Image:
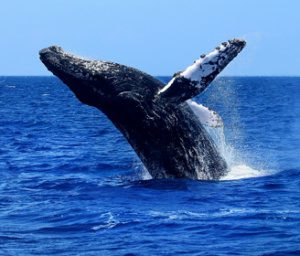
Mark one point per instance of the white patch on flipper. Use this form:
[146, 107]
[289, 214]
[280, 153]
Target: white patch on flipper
[202, 67]
[200, 74]
[206, 116]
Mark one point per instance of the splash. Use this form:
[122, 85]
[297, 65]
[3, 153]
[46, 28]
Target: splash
[243, 171]
[238, 168]
[144, 174]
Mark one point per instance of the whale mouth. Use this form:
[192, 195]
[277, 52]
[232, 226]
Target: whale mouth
[51, 49]
[72, 69]
[54, 59]
[51, 56]
[62, 64]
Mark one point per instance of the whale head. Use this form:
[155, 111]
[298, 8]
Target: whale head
[97, 83]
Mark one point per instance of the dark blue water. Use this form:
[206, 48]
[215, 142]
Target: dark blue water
[71, 185]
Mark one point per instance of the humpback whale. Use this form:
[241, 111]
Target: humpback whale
[156, 118]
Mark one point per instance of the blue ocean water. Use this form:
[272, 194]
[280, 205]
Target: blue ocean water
[71, 185]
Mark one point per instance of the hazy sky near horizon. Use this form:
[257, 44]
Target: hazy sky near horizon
[156, 36]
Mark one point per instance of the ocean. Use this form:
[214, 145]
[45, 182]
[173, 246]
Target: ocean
[71, 184]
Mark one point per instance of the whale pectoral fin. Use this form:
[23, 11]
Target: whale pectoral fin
[195, 79]
[206, 116]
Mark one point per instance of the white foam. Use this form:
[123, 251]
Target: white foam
[109, 222]
[243, 171]
[179, 215]
[238, 168]
[145, 175]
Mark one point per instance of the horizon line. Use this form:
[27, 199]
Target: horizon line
[165, 76]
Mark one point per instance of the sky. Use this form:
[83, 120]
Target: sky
[159, 37]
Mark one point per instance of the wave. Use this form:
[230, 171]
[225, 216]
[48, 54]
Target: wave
[226, 212]
[109, 221]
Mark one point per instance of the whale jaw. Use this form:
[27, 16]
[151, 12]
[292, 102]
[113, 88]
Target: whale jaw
[58, 61]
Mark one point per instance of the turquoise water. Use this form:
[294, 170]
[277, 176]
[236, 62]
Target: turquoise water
[71, 185]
